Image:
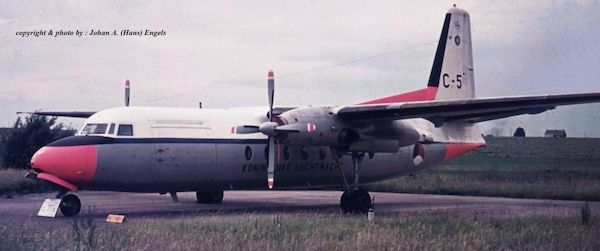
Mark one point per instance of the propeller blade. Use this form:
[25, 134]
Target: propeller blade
[271, 159]
[271, 89]
[127, 92]
[295, 128]
[271, 163]
[244, 129]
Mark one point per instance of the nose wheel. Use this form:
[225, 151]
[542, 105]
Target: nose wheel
[70, 205]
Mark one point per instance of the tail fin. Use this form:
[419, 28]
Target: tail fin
[451, 76]
[452, 70]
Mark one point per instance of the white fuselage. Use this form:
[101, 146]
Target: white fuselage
[175, 149]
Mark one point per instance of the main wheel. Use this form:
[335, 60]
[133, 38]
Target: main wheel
[357, 202]
[210, 197]
[361, 201]
[345, 203]
[215, 196]
[70, 205]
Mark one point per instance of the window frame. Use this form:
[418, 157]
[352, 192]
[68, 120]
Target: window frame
[121, 130]
[95, 129]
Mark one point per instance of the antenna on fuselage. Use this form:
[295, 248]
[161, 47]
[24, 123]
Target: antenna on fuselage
[127, 92]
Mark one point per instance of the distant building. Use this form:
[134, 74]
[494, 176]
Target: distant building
[555, 134]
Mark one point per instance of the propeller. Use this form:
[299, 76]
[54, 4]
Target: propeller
[267, 126]
[244, 129]
[127, 92]
[273, 129]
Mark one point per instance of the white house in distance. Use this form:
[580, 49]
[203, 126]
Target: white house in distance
[555, 134]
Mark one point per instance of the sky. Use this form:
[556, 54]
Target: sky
[322, 52]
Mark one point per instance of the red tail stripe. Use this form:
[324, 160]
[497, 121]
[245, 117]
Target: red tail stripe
[418, 95]
[455, 150]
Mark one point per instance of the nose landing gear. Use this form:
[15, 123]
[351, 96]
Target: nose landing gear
[70, 205]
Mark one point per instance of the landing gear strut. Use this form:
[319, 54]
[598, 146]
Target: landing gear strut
[210, 197]
[354, 199]
[70, 205]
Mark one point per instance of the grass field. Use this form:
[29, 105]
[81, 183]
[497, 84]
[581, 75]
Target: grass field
[310, 232]
[548, 168]
[13, 182]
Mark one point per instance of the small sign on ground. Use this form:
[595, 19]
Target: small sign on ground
[115, 218]
[49, 208]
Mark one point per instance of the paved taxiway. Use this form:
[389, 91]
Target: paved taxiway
[140, 207]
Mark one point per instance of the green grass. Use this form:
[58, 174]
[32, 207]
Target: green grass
[543, 168]
[13, 182]
[311, 232]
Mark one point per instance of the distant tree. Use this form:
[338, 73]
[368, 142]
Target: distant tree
[520, 132]
[25, 138]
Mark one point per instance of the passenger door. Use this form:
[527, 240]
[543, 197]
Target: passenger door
[185, 152]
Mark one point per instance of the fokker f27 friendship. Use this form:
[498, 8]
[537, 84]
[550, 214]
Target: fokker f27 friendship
[169, 150]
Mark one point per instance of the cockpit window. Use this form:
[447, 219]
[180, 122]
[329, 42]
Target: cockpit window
[111, 129]
[94, 129]
[125, 130]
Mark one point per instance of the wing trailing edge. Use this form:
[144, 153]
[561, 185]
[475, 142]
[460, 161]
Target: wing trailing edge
[470, 110]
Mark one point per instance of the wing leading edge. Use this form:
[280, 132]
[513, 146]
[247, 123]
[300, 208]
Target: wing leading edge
[470, 110]
[72, 114]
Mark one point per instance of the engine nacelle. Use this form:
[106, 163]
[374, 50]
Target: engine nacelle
[327, 127]
[329, 130]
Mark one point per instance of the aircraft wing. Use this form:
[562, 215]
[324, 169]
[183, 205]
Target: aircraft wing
[72, 114]
[470, 110]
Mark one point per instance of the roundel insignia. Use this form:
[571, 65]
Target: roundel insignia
[457, 40]
[418, 154]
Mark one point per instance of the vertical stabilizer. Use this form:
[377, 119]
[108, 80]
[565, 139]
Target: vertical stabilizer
[452, 70]
[452, 76]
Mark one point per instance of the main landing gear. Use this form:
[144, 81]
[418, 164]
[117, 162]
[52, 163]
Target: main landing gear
[354, 199]
[70, 205]
[210, 197]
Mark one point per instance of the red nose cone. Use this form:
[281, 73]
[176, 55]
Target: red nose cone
[76, 164]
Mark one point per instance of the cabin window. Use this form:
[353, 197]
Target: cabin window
[304, 153]
[111, 129]
[248, 153]
[94, 129]
[322, 153]
[125, 130]
[286, 153]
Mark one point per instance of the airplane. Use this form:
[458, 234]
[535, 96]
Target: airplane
[170, 150]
